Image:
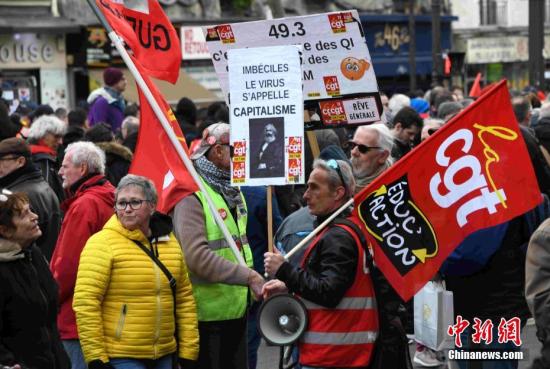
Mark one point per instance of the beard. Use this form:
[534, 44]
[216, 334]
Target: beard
[269, 138]
[359, 169]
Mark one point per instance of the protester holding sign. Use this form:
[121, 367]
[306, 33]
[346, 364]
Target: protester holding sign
[332, 280]
[220, 284]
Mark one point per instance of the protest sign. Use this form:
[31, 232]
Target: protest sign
[266, 112]
[336, 64]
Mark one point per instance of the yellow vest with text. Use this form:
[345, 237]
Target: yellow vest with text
[220, 301]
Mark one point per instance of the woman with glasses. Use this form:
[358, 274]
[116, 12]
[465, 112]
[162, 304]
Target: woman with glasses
[29, 338]
[133, 299]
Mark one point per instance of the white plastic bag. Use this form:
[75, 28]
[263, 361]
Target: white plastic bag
[433, 313]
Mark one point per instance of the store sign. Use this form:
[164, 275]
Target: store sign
[26, 50]
[193, 44]
[393, 37]
[484, 50]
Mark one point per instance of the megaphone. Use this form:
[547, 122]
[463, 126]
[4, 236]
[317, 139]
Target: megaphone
[282, 319]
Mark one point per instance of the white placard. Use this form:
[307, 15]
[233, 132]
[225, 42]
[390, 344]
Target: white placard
[266, 112]
[193, 44]
[336, 60]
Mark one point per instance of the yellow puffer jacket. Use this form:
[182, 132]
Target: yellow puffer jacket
[123, 301]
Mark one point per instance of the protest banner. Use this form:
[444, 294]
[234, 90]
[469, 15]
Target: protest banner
[339, 84]
[149, 34]
[157, 110]
[266, 113]
[473, 173]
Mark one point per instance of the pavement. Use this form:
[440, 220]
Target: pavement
[268, 356]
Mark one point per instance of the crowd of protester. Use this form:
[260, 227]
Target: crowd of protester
[92, 276]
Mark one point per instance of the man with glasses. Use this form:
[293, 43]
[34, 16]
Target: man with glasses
[18, 174]
[221, 286]
[371, 149]
[89, 205]
[333, 280]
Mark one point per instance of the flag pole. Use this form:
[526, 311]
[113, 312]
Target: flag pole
[167, 128]
[319, 229]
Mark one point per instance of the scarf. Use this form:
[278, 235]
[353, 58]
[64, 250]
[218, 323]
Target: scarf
[219, 180]
[362, 182]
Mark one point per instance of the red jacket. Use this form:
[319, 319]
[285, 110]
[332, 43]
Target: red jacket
[85, 214]
[343, 336]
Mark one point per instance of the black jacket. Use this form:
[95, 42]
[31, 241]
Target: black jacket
[28, 310]
[49, 167]
[329, 271]
[43, 201]
[117, 161]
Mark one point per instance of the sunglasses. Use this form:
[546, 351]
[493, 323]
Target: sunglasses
[363, 149]
[333, 164]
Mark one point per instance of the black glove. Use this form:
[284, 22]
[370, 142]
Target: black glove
[98, 364]
[187, 364]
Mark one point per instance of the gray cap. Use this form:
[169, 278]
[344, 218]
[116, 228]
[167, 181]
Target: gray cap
[217, 133]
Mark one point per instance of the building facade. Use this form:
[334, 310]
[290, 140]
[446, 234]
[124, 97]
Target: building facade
[493, 34]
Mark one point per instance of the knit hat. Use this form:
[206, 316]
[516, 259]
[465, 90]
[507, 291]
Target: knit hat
[14, 146]
[420, 105]
[111, 76]
[217, 133]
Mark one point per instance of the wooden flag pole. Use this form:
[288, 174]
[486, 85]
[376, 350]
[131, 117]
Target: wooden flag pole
[269, 219]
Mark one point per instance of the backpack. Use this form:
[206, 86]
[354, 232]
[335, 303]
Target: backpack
[391, 349]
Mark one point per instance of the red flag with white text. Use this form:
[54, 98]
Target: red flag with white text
[155, 157]
[473, 173]
[149, 34]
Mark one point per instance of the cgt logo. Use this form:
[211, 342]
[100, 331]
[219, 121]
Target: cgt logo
[226, 34]
[295, 145]
[333, 112]
[294, 167]
[448, 188]
[239, 148]
[331, 85]
[239, 171]
[337, 23]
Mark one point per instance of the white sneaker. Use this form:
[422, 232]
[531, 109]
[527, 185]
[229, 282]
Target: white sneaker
[427, 358]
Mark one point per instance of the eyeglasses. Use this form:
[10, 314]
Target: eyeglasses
[363, 149]
[231, 150]
[134, 204]
[333, 164]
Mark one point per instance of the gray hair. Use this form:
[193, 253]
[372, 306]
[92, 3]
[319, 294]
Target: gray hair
[333, 177]
[397, 102]
[44, 125]
[84, 152]
[385, 138]
[544, 111]
[130, 124]
[146, 185]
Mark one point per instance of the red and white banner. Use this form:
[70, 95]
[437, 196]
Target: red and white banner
[472, 174]
[150, 36]
[155, 156]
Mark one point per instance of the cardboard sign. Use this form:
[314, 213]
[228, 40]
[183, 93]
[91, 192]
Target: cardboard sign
[336, 64]
[266, 112]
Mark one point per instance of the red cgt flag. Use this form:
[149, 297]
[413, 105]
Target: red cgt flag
[475, 91]
[151, 36]
[156, 157]
[472, 174]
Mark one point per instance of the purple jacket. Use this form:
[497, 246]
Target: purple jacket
[105, 108]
